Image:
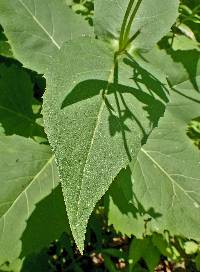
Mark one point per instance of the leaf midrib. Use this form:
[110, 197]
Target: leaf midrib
[92, 140]
[39, 24]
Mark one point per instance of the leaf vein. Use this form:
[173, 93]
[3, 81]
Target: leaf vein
[39, 24]
[169, 177]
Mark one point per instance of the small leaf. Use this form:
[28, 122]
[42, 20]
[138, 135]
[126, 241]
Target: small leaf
[165, 246]
[191, 247]
[143, 248]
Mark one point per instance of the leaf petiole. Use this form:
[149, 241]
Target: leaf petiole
[126, 35]
[124, 39]
[125, 20]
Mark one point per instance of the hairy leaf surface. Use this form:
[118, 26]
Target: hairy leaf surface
[31, 215]
[36, 29]
[96, 116]
[153, 19]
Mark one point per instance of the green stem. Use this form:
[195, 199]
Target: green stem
[131, 21]
[132, 39]
[126, 16]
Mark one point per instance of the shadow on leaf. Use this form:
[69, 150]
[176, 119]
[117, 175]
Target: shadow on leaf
[125, 104]
[189, 59]
[46, 223]
[121, 195]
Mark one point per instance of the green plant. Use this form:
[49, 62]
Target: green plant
[116, 118]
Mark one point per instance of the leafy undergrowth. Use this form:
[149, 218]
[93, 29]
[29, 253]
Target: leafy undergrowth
[106, 250]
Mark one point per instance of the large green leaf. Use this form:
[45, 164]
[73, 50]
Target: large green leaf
[36, 29]
[153, 19]
[166, 175]
[96, 114]
[16, 100]
[179, 65]
[32, 211]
